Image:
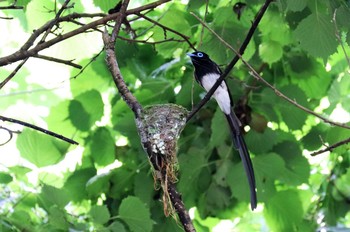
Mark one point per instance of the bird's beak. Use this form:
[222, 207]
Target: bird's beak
[191, 55]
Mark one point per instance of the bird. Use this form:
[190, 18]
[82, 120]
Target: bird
[206, 73]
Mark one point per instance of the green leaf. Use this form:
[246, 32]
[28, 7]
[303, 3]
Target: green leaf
[342, 16]
[58, 119]
[296, 5]
[105, 5]
[135, 214]
[312, 140]
[144, 187]
[76, 184]
[50, 196]
[270, 51]
[50, 179]
[42, 16]
[98, 184]
[297, 169]
[316, 35]
[191, 165]
[335, 135]
[267, 167]
[20, 172]
[222, 169]
[122, 182]
[219, 129]
[78, 116]
[38, 148]
[99, 214]
[342, 184]
[5, 178]
[338, 92]
[95, 76]
[261, 143]
[217, 198]
[102, 147]
[125, 124]
[276, 34]
[284, 211]
[177, 20]
[57, 218]
[86, 109]
[117, 227]
[228, 29]
[22, 219]
[292, 116]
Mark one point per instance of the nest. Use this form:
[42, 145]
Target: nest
[162, 125]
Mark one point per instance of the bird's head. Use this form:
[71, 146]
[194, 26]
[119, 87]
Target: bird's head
[198, 56]
[203, 64]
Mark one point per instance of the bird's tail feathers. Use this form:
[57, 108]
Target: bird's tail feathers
[241, 146]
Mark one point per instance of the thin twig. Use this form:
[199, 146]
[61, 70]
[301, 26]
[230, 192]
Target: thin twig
[4, 82]
[146, 41]
[11, 132]
[330, 148]
[185, 37]
[38, 129]
[233, 61]
[11, 7]
[6, 18]
[53, 59]
[149, 6]
[91, 60]
[205, 15]
[54, 22]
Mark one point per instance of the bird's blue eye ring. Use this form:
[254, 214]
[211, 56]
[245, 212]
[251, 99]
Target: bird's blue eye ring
[199, 54]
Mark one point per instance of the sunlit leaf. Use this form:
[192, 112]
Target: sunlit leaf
[99, 214]
[284, 211]
[135, 214]
[38, 148]
[315, 32]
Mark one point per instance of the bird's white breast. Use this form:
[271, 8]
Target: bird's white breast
[221, 94]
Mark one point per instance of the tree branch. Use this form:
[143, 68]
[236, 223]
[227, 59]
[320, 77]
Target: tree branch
[11, 7]
[331, 147]
[4, 82]
[155, 158]
[53, 59]
[113, 66]
[61, 137]
[25, 52]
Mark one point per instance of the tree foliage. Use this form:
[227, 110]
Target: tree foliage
[105, 184]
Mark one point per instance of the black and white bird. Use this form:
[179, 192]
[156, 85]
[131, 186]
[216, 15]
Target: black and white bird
[206, 73]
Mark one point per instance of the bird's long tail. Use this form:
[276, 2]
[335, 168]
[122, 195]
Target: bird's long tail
[240, 145]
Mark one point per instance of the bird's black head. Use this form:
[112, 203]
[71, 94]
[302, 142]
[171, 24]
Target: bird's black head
[198, 56]
[203, 64]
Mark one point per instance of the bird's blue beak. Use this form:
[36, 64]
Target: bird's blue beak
[191, 55]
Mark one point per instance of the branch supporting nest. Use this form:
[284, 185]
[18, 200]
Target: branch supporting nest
[159, 127]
